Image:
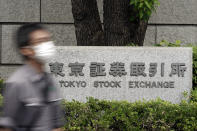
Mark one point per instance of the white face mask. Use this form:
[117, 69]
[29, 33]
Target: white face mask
[44, 51]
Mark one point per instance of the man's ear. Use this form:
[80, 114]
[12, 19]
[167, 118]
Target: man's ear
[27, 51]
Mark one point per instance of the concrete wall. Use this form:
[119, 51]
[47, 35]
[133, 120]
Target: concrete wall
[174, 20]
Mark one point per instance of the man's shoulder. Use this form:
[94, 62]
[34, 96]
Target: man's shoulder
[19, 76]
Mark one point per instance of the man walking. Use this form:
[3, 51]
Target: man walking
[31, 100]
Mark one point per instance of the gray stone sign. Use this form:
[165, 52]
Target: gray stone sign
[122, 73]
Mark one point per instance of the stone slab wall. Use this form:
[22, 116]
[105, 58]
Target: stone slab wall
[174, 20]
[112, 73]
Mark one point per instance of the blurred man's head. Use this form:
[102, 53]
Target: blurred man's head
[34, 42]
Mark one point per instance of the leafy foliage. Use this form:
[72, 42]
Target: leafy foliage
[194, 67]
[143, 9]
[102, 115]
[131, 44]
[194, 95]
[165, 43]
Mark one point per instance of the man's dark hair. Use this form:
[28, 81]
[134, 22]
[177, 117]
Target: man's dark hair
[22, 34]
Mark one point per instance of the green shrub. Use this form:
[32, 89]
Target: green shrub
[193, 95]
[143, 9]
[194, 67]
[165, 43]
[102, 115]
[155, 115]
[132, 44]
